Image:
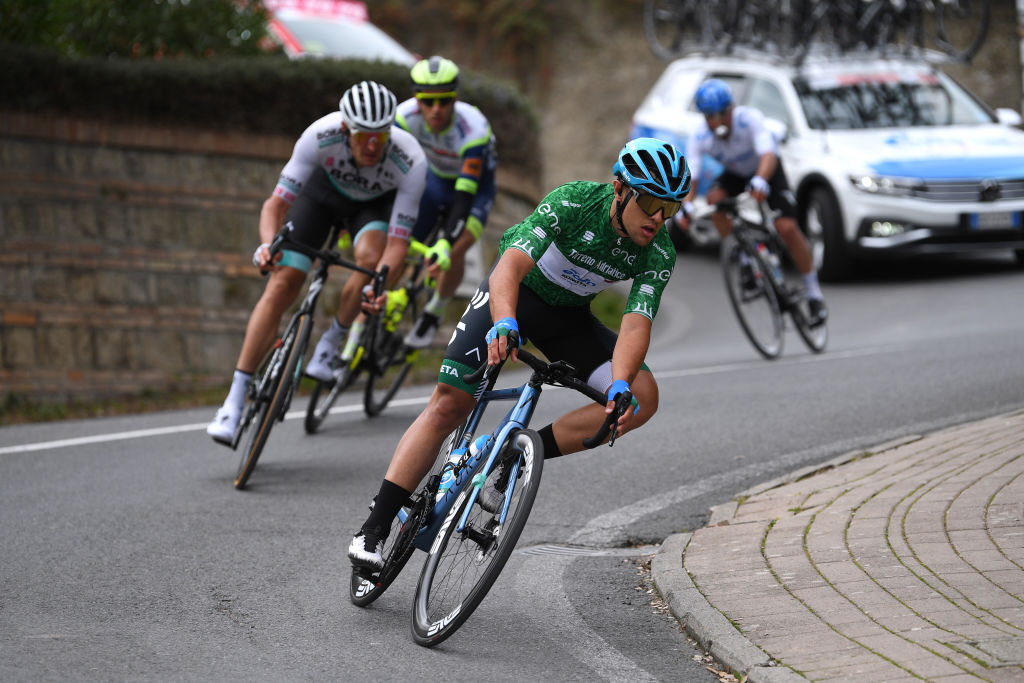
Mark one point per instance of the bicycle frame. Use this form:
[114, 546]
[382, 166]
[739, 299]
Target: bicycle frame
[518, 417]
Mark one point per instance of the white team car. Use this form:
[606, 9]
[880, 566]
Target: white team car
[886, 156]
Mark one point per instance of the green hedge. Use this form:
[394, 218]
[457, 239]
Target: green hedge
[264, 94]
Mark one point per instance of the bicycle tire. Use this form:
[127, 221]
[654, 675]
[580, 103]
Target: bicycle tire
[317, 409]
[459, 570]
[815, 337]
[943, 39]
[389, 361]
[758, 311]
[398, 549]
[286, 364]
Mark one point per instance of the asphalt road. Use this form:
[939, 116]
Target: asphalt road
[127, 555]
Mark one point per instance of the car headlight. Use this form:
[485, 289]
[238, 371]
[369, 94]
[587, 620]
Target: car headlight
[873, 184]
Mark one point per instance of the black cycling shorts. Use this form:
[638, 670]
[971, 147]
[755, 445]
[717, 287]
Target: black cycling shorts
[320, 206]
[780, 198]
[569, 333]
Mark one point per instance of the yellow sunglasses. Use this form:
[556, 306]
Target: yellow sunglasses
[650, 204]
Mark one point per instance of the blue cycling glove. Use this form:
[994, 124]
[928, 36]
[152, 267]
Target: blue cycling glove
[501, 329]
[619, 386]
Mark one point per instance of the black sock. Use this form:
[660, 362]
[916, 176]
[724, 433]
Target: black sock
[389, 501]
[547, 437]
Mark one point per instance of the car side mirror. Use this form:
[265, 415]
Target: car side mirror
[1008, 117]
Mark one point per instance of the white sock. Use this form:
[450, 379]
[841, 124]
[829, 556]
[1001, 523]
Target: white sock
[239, 383]
[811, 285]
[335, 333]
[353, 340]
[436, 305]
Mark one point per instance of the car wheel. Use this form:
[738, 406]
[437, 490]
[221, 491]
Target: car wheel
[824, 227]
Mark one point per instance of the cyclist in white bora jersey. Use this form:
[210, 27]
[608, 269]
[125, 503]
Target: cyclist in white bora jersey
[353, 169]
[737, 137]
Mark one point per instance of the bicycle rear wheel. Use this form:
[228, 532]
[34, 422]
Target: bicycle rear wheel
[756, 305]
[365, 587]
[389, 361]
[815, 337]
[462, 565]
[278, 381]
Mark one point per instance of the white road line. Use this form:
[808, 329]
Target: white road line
[296, 414]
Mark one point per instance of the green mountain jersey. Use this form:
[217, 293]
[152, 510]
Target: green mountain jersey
[578, 253]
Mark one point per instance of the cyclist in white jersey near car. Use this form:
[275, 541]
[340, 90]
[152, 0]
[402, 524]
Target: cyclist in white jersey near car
[457, 139]
[352, 169]
[580, 240]
[736, 136]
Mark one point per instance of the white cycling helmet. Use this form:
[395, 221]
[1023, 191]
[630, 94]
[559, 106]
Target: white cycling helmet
[368, 106]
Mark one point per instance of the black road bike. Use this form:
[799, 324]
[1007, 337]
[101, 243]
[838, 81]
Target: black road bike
[274, 383]
[381, 355]
[751, 259]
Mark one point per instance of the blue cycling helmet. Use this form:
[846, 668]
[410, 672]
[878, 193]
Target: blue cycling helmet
[655, 167]
[713, 97]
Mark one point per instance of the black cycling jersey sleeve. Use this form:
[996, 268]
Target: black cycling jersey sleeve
[462, 204]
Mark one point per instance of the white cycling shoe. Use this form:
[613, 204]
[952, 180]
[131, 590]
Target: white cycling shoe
[423, 332]
[364, 553]
[325, 359]
[224, 424]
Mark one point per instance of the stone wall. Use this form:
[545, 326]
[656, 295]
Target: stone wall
[125, 261]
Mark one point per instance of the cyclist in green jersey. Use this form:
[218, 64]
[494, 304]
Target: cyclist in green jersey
[581, 239]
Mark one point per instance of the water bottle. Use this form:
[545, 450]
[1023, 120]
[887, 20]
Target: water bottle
[455, 462]
[772, 259]
[448, 471]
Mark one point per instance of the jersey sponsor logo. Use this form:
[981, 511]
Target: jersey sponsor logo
[658, 248]
[525, 245]
[662, 275]
[624, 254]
[472, 167]
[539, 232]
[479, 299]
[406, 219]
[399, 231]
[328, 133]
[449, 370]
[581, 279]
[643, 309]
[571, 205]
[546, 210]
[355, 180]
[588, 236]
[647, 289]
[284, 194]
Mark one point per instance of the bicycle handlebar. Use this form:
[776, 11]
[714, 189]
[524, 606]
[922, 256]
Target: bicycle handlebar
[282, 241]
[559, 373]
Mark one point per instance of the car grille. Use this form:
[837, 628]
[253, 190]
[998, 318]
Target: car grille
[970, 191]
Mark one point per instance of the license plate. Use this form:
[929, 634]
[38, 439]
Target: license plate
[994, 221]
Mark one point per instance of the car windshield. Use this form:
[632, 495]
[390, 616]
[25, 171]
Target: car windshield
[886, 100]
[328, 37]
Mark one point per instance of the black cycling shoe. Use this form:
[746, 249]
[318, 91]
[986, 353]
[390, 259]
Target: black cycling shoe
[818, 312]
[748, 281]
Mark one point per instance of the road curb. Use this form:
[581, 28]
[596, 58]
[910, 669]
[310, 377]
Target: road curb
[706, 624]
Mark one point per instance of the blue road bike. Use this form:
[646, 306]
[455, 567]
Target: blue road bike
[467, 545]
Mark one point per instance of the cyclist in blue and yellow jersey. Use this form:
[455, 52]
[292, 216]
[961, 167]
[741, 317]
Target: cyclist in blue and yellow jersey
[582, 238]
[351, 168]
[457, 140]
[738, 138]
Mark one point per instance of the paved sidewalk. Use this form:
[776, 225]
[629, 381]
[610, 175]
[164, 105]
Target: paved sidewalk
[899, 564]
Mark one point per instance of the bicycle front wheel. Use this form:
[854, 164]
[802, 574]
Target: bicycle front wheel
[323, 396]
[388, 364]
[748, 282]
[277, 384]
[815, 337]
[462, 565]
